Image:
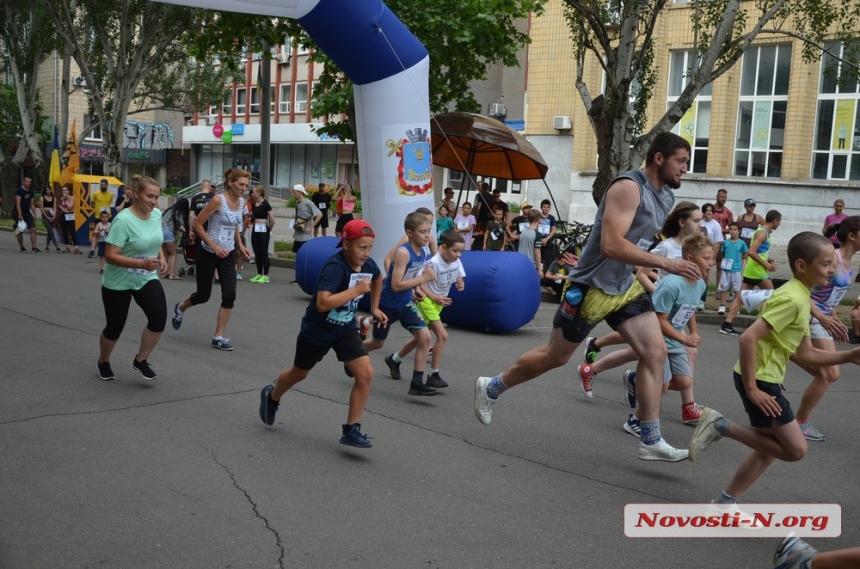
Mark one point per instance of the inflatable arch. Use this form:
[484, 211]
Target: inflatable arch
[389, 68]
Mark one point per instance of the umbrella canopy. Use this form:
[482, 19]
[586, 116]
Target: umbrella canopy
[483, 146]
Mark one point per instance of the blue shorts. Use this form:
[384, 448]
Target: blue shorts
[408, 316]
[167, 234]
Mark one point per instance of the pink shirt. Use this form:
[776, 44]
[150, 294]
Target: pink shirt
[833, 219]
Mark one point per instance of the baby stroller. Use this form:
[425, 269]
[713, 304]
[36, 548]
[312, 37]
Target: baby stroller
[189, 253]
[177, 217]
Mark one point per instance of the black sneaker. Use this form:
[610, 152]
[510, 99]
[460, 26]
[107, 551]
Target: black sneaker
[143, 369]
[91, 255]
[36, 250]
[353, 437]
[393, 367]
[23, 250]
[433, 380]
[421, 389]
[105, 372]
[727, 328]
[591, 350]
[267, 409]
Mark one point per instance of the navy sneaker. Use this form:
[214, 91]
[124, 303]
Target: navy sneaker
[267, 409]
[353, 437]
[629, 379]
[632, 426]
[177, 317]
[105, 371]
[421, 389]
[393, 367]
[222, 344]
[143, 369]
[435, 381]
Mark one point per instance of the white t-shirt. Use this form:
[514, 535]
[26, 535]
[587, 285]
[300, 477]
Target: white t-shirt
[713, 230]
[446, 275]
[670, 249]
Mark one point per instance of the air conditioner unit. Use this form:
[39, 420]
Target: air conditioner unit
[284, 58]
[211, 119]
[80, 80]
[561, 122]
[498, 110]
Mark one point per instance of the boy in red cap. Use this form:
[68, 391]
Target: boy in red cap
[329, 323]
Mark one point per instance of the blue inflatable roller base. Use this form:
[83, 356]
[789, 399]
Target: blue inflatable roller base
[310, 260]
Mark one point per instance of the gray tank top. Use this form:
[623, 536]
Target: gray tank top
[222, 225]
[611, 276]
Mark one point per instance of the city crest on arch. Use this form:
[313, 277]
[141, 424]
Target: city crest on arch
[415, 169]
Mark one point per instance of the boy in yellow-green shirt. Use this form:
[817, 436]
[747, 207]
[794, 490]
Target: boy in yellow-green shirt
[765, 347]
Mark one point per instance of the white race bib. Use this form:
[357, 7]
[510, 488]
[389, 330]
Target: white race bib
[523, 226]
[683, 315]
[836, 295]
[323, 206]
[226, 234]
[260, 227]
[726, 264]
[69, 216]
[355, 278]
[747, 233]
[463, 224]
[544, 229]
[644, 244]
[140, 271]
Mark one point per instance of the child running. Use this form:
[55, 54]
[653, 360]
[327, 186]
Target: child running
[329, 323]
[100, 233]
[826, 326]
[734, 251]
[405, 272]
[449, 271]
[765, 347]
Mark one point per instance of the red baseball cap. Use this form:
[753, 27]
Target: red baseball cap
[356, 229]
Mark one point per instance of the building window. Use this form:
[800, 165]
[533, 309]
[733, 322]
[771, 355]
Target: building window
[761, 111]
[255, 101]
[836, 149]
[241, 95]
[314, 88]
[227, 107]
[301, 97]
[286, 98]
[96, 133]
[695, 125]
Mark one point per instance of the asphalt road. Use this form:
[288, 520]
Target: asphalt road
[181, 472]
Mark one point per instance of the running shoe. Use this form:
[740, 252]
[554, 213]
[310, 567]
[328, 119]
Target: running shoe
[811, 432]
[718, 295]
[705, 433]
[629, 379]
[265, 279]
[690, 413]
[701, 306]
[483, 402]
[591, 350]
[731, 297]
[105, 371]
[91, 254]
[393, 367]
[586, 376]
[661, 450]
[631, 425]
[353, 437]
[177, 317]
[36, 250]
[267, 408]
[144, 369]
[255, 279]
[744, 520]
[721, 310]
[238, 275]
[727, 328]
[793, 553]
[421, 389]
[23, 249]
[222, 344]
[435, 381]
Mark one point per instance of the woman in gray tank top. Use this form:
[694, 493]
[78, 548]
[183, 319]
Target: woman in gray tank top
[224, 214]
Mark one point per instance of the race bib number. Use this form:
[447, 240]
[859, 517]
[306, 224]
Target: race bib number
[323, 206]
[463, 224]
[727, 264]
[836, 295]
[413, 272]
[683, 315]
[747, 233]
[644, 244]
[544, 229]
[356, 278]
[226, 234]
[141, 271]
[496, 235]
[260, 227]
[523, 226]
[69, 217]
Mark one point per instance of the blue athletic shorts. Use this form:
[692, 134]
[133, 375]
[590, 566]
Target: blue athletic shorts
[408, 316]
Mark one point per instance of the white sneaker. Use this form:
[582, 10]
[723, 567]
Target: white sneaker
[661, 450]
[483, 403]
[744, 520]
[705, 433]
[721, 310]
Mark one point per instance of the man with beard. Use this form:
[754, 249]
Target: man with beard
[603, 287]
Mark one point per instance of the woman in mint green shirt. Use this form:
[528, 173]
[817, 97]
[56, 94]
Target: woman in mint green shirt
[134, 260]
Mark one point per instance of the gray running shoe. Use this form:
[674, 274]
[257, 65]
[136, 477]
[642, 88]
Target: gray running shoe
[705, 433]
[793, 553]
[811, 432]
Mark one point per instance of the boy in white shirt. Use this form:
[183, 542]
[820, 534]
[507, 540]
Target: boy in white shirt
[449, 271]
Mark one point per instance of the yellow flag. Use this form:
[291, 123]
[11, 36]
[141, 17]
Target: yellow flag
[54, 173]
[70, 159]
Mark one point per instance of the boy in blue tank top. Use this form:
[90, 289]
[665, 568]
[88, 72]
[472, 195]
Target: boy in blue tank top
[406, 272]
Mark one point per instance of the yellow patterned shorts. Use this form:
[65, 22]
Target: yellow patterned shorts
[576, 322]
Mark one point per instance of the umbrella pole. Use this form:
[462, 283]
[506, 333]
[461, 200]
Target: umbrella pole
[551, 197]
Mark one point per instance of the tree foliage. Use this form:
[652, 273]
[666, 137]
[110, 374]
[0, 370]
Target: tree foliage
[128, 52]
[619, 36]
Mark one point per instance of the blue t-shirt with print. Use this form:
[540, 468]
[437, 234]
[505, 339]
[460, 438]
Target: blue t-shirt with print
[677, 298]
[734, 250]
[325, 328]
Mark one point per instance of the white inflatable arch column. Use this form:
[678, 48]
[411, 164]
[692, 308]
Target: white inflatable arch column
[389, 68]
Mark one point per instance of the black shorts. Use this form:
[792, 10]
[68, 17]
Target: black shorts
[324, 219]
[341, 221]
[102, 248]
[31, 223]
[757, 418]
[753, 282]
[347, 348]
[576, 322]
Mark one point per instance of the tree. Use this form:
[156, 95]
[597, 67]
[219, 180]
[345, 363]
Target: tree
[129, 53]
[619, 35]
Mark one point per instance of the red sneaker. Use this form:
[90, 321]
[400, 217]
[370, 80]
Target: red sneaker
[690, 413]
[586, 375]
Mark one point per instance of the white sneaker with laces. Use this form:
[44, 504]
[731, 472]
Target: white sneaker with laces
[661, 450]
[744, 520]
[705, 433]
[483, 403]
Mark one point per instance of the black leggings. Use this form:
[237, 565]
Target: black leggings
[69, 235]
[150, 299]
[206, 264]
[260, 243]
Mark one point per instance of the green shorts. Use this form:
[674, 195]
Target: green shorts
[430, 310]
